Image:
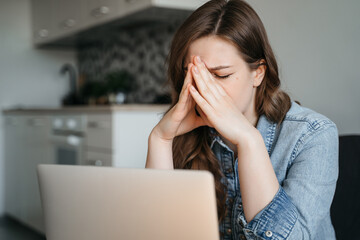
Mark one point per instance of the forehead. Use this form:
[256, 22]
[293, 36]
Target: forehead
[214, 51]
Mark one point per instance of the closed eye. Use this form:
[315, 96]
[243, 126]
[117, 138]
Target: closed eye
[222, 77]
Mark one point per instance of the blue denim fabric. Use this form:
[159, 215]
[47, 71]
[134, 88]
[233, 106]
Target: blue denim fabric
[304, 154]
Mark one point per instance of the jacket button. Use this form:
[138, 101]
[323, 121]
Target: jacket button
[228, 230]
[268, 233]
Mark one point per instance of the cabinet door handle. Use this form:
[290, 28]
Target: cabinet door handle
[99, 125]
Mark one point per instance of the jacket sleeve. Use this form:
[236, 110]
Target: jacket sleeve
[304, 199]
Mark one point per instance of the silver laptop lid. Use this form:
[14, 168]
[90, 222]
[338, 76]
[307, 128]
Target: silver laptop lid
[85, 202]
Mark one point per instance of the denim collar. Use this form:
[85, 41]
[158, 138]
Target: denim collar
[216, 138]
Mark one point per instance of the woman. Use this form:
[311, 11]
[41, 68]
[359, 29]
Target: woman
[274, 162]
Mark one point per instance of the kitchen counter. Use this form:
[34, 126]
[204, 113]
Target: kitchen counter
[89, 109]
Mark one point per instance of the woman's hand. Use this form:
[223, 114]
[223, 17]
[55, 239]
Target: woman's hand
[182, 117]
[217, 107]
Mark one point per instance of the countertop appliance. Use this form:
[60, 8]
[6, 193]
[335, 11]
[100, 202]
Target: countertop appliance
[67, 139]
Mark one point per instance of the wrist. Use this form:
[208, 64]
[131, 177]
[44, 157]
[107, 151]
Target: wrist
[159, 154]
[250, 139]
[155, 136]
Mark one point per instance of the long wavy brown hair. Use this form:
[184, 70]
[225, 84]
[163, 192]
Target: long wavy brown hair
[237, 22]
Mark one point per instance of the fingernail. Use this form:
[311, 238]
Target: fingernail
[192, 88]
[196, 70]
[198, 59]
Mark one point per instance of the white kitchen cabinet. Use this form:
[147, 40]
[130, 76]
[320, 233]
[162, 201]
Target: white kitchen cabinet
[67, 17]
[98, 11]
[43, 21]
[98, 158]
[37, 151]
[119, 138]
[130, 6]
[99, 132]
[26, 146]
[13, 164]
[57, 19]
[131, 132]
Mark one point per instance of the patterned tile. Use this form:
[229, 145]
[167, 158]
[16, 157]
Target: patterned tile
[140, 50]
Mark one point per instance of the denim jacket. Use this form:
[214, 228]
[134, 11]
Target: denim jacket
[304, 154]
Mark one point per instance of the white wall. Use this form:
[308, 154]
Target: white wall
[28, 77]
[317, 47]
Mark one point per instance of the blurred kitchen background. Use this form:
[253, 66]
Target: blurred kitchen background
[81, 79]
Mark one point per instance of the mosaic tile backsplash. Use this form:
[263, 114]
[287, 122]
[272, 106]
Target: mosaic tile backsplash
[140, 50]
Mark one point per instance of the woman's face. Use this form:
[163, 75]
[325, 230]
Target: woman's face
[227, 66]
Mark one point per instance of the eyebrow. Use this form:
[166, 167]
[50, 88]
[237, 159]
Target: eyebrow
[213, 68]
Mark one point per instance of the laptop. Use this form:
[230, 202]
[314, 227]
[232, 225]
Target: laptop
[107, 203]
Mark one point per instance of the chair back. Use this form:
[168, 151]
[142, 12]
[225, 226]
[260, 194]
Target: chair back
[345, 209]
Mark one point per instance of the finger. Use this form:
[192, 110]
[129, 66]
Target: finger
[221, 90]
[203, 88]
[207, 76]
[201, 102]
[204, 70]
[212, 81]
[185, 100]
[184, 94]
[204, 117]
[217, 89]
[188, 76]
[186, 103]
[199, 121]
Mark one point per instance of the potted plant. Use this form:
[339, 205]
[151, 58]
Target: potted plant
[119, 84]
[94, 92]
